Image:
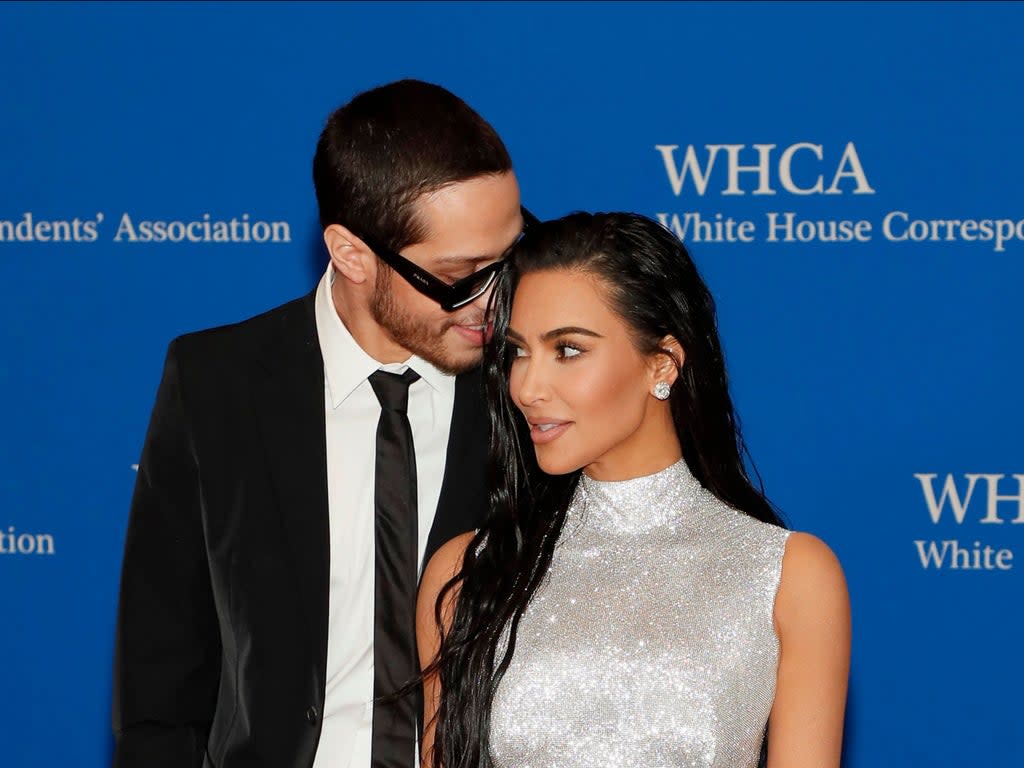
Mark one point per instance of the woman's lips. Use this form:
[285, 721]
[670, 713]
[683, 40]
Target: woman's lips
[545, 432]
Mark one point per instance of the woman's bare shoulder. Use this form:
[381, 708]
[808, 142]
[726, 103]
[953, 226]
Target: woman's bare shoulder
[812, 588]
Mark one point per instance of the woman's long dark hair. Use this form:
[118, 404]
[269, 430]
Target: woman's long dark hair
[654, 287]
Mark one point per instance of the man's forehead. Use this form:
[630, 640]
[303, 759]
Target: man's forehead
[483, 244]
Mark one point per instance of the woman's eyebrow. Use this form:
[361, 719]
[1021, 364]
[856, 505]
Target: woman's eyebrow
[513, 335]
[570, 329]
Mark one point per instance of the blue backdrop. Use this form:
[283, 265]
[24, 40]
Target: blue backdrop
[877, 376]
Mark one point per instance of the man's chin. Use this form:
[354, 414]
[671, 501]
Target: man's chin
[451, 354]
[460, 361]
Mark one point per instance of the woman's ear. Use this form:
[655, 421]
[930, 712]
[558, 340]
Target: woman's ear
[667, 361]
[350, 256]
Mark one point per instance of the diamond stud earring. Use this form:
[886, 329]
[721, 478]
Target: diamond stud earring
[662, 390]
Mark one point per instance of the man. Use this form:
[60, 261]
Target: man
[300, 467]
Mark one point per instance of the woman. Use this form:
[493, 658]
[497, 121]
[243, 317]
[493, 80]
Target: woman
[633, 600]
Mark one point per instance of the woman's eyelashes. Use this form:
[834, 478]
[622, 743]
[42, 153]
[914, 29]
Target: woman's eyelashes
[564, 350]
[567, 351]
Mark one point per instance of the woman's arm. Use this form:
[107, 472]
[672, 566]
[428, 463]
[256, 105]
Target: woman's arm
[812, 619]
[445, 563]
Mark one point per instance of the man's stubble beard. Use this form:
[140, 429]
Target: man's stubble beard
[416, 336]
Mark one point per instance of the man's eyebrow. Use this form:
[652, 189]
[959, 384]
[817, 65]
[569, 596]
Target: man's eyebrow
[464, 259]
[568, 330]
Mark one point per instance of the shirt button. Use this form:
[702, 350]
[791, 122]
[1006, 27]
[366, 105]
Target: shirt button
[311, 715]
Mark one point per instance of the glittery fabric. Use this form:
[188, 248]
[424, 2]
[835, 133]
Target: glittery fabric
[651, 641]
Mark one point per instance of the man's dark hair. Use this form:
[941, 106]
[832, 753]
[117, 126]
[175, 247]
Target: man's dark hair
[381, 151]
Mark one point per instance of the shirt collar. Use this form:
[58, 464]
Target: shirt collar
[347, 365]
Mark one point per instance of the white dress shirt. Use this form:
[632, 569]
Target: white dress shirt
[352, 414]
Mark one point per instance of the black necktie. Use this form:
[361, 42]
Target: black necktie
[396, 545]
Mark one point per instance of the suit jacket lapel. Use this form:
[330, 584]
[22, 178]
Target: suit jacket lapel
[463, 502]
[289, 392]
[288, 386]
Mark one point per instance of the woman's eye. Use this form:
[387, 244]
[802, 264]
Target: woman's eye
[518, 352]
[566, 351]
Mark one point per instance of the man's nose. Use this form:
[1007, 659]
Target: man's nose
[480, 302]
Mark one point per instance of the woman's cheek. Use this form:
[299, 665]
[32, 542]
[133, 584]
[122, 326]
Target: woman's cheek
[514, 381]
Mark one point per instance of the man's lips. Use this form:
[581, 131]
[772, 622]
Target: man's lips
[545, 430]
[476, 333]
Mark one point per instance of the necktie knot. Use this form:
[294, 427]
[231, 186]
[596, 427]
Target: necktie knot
[392, 389]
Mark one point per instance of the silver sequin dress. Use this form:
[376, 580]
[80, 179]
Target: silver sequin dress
[651, 643]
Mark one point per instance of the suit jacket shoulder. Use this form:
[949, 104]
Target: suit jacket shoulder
[268, 337]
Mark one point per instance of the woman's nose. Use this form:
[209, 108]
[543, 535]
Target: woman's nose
[533, 385]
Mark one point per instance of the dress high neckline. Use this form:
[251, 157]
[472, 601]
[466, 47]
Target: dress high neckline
[638, 504]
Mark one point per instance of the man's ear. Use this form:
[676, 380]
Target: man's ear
[666, 364]
[350, 256]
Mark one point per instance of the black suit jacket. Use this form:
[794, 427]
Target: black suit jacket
[222, 628]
